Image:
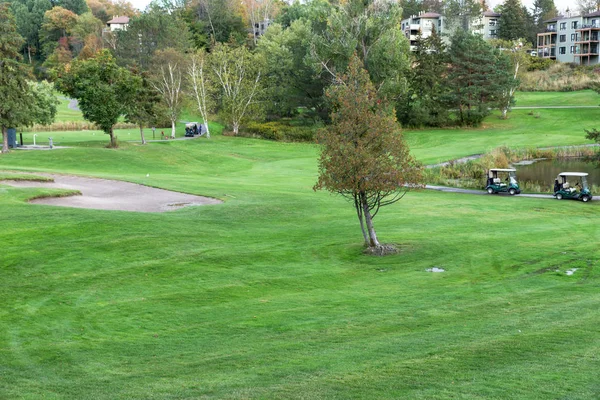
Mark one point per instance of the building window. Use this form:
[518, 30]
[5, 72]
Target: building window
[563, 26]
[572, 50]
[574, 25]
[492, 22]
[492, 32]
[573, 37]
[563, 38]
[562, 50]
[594, 23]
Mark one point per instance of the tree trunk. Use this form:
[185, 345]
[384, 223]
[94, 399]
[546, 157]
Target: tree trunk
[29, 53]
[206, 129]
[358, 207]
[236, 128]
[4, 139]
[113, 139]
[142, 134]
[172, 129]
[373, 242]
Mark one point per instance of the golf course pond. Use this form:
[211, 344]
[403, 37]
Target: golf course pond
[543, 172]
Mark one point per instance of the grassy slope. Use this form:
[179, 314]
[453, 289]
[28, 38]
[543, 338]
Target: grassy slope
[268, 296]
[538, 99]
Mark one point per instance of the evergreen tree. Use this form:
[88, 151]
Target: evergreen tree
[541, 11]
[424, 105]
[478, 79]
[513, 22]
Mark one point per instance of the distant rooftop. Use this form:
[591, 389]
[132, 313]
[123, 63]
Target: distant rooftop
[118, 20]
[491, 14]
[429, 15]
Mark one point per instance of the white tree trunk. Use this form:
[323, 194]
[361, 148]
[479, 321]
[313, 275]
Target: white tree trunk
[199, 84]
[172, 129]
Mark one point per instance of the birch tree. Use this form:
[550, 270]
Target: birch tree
[238, 75]
[519, 58]
[259, 11]
[198, 75]
[168, 80]
[364, 157]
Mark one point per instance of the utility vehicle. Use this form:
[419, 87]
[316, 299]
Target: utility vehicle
[495, 184]
[565, 189]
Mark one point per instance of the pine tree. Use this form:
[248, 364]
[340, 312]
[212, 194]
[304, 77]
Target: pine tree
[513, 22]
[424, 105]
[479, 78]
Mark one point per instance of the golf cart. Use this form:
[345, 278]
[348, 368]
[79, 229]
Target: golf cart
[496, 185]
[563, 189]
[193, 129]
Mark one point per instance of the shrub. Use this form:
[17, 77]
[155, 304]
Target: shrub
[280, 131]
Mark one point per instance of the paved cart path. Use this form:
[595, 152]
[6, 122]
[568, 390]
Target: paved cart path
[483, 192]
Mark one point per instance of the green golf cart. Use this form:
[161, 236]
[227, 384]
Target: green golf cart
[496, 183]
[565, 189]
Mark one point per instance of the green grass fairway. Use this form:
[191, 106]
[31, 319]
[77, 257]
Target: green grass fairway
[267, 296]
[64, 113]
[540, 99]
[553, 127]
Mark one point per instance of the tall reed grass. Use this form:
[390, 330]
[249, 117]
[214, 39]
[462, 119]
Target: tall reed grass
[73, 126]
[560, 77]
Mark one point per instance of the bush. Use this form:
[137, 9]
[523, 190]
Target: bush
[539, 64]
[280, 131]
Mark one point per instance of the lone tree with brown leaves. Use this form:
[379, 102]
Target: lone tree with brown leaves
[364, 157]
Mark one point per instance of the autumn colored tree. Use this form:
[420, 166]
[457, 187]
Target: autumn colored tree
[363, 156]
[104, 90]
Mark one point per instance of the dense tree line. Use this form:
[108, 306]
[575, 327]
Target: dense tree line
[213, 54]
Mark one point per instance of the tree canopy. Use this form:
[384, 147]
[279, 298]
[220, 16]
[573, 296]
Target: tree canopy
[104, 90]
[363, 155]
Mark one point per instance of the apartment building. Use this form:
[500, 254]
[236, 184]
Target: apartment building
[587, 39]
[571, 38]
[486, 25]
[424, 23]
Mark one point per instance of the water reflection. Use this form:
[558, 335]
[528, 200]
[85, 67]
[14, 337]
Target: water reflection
[544, 172]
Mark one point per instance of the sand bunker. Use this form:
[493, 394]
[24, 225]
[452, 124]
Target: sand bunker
[103, 194]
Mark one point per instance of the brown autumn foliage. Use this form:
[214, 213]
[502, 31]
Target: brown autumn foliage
[364, 157]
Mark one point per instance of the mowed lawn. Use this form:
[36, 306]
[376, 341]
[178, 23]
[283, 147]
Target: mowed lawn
[268, 295]
[542, 99]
